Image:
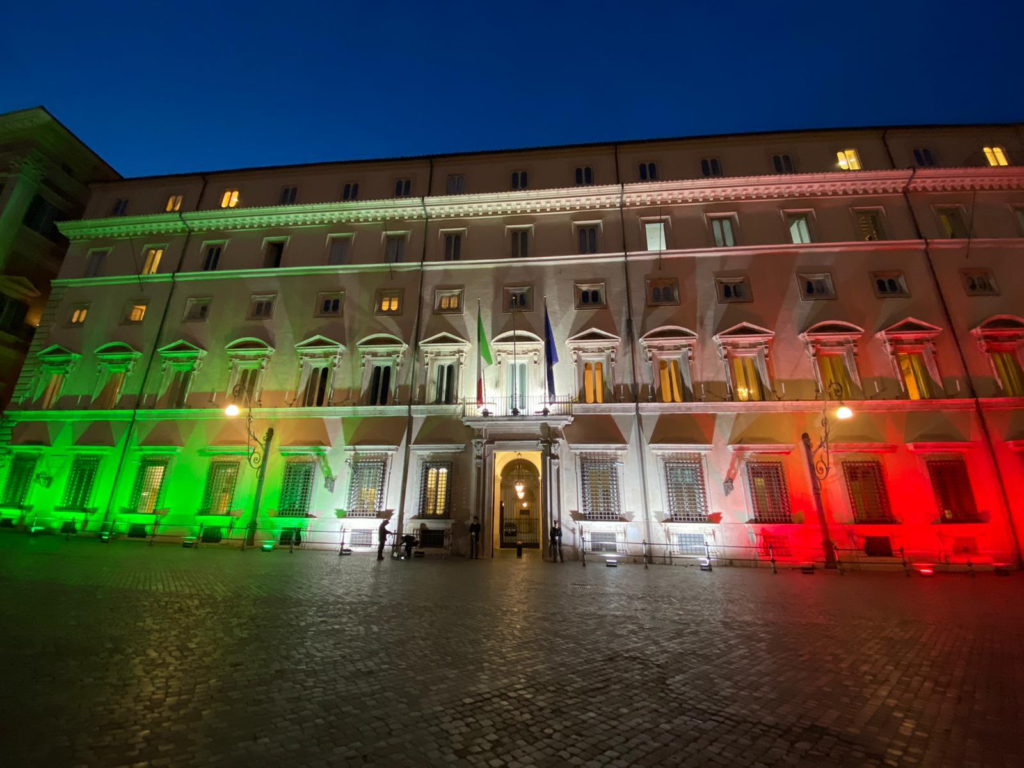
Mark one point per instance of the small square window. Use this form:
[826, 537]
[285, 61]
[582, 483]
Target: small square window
[135, 312]
[952, 222]
[783, 164]
[711, 166]
[869, 225]
[723, 231]
[152, 262]
[388, 302]
[448, 301]
[520, 180]
[289, 195]
[329, 304]
[212, 259]
[733, 289]
[848, 159]
[120, 207]
[394, 249]
[403, 188]
[338, 250]
[452, 246]
[799, 226]
[273, 253]
[662, 292]
[979, 282]
[519, 242]
[655, 234]
[996, 156]
[261, 306]
[590, 296]
[456, 184]
[816, 286]
[78, 314]
[197, 310]
[923, 158]
[519, 298]
[584, 176]
[890, 285]
[229, 199]
[648, 171]
[173, 204]
[350, 191]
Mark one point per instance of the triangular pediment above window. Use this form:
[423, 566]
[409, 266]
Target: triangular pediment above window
[832, 330]
[319, 343]
[249, 347]
[444, 339]
[911, 328]
[57, 355]
[744, 333]
[116, 351]
[181, 350]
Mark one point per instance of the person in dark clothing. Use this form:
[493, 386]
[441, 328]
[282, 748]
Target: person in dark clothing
[475, 530]
[408, 541]
[556, 543]
[382, 539]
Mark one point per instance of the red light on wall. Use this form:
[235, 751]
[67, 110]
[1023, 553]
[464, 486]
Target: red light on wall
[926, 571]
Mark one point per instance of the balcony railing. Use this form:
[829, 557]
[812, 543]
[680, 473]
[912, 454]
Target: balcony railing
[520, 407]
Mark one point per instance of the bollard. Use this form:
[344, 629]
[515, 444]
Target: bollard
[903, 561]
[839, 565]
[519, 550]
[771, 557]
[645, 554]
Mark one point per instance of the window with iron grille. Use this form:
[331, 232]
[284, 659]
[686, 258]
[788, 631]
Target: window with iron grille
[603, 541]
[769, 498]
[432, 539]
[366, 488]
[149, 484]
[952, 487]
[297, 487]
[19, 480]
[600, 484]
[684, 479]
[690, 544]
[868, 496]
[219, 495]
[436, 489]
[362, 538]
[78, 491]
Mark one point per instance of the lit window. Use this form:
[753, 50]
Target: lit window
[868, 497]
[923, 158]
[136, 312]
[890, 285]
[329, 304]
[1001, 338]
[722, 231]
[593, 382]
[869, 225]
[914, 374]
[447, 301]
[769, 498]
[979, 282]
[261, 307]
[435, 493]
[152, 263]
[848, 159]
[78, 314]
[587, 237]
[519, 298]
[394, 249]
[952, 221]
[229, 199]
[339, 250]
[519, 243]
[173, 203]
[584, 176]
[366, 487]
[520, 180]
[456, 184]
[212, 259]
[388, 302]
[832, 371]
[747, 384]
[403, 188]
[951, 483]
[783, 164]
[589, 295]
[799, 228]
[996, 156]
[733, 289]
[350, 191]
[452, 247]
[289, 195]
[655, 232]
[1008, 372]
[670, 381]
[52, 391]
[648, 172]
[148, 488]
[197, 310]
[662, 291]
[910, 344]
[816, 287]
[120, 207]
[711, 166]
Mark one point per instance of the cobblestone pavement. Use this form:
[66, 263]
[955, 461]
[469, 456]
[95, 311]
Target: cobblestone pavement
[127, 655]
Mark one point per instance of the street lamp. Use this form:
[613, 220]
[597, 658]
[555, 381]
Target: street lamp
[255, 455]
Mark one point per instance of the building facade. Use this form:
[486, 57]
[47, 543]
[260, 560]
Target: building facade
[709, 301]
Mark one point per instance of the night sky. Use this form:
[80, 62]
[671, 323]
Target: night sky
[178, 86]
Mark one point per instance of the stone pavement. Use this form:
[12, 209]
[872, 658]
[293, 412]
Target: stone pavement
[123, 654]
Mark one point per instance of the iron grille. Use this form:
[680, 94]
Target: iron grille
[19, 480]
[600, 481]
[78, 491]
[952, 491]
[768, 495]
[690, 544]
[297, 487]
[436, 489]
[366, 489]
[603, 541]
[687, 501]
[149, 484]
[432, 539]
[362, 538]
[219, 495]
[868, 497]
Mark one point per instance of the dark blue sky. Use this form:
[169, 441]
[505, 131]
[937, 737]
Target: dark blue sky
[184, 86]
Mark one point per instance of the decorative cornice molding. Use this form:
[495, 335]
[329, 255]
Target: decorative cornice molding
[123, 227]
[967, 179]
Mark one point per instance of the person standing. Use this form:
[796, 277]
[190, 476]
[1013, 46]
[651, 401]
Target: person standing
[382, 539]
[556, 543]
[474, 538]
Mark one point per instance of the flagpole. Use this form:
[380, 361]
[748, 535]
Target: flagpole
[479, 360]
[547, 364]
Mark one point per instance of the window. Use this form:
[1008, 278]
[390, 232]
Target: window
[273, 252]
[361, 539]
[78, 314]
[289, 195]
[147, 492]
[655, 233]
[869, 225]
[662, 291]
[1002, 338]
[517, 385]
[832, 371]
[110, 394]
[593, 381]
[747, 384]
[783, 164]
[445, 374]
[261, 306]
[799, 225]
[152, 263]
[219, 493]
[435, 489]
[518, 298]
[868, 497]
[952, 221]
[403, 188]
[366, 487]
[297, 487]
[923, 158]
[81, 479]
[600, 487]
[388, 302]
[19, 480]
[996, 156]
[1009, 374]
[338, 250]
[769, 498]
[690, 544]
[94, 264]
[519, 243]
[733, 289]
[670, 381]
[456, 184]
[979, 282]
[711, 166]
[52, 390]
[42, 217]
[584, 176]
[604, 541]
[316, 392]
[816, 286]
[181, 383]
[173, 204]
[229, 199]
[135, 312]
[722, 230]
[329, 304]
[648, 172]
[447, 301]
[12, 315]
[952, 485]
[394, 249]
[587, 239]
[452, 247]
[120, 207]
[380, 384]
[684, 491]
[197, 310]
[889, 285]
[914, 375]
[520, 180]
[910, 344]
[350, 191]
[590, 295]
[848, 159]
[212, 260]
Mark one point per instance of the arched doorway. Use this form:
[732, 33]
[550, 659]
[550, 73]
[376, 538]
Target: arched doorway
[518, 512]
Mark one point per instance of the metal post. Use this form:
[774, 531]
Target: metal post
[826, 539]
[250, 536]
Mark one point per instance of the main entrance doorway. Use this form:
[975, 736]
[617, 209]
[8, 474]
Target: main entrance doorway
[517, 513]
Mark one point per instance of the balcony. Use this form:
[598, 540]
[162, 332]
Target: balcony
[533, 407]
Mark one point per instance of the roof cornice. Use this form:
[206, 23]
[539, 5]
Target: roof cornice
[967, 179]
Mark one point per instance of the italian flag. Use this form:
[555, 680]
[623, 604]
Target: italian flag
[483, 358]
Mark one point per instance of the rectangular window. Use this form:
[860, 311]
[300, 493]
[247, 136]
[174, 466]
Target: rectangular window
[120, 207]
[586, 237]
[733, 289]
[890, 285]
[273, 253]
[212, 259]
[584, 176]
[361, 539]
[648, 171]
[783, 164]
[747, 384]
[453, 247]
[388, 302]
[219, 493]
[519, 298]
[868, 497]
[996, 156]
[711, 166]
[197, 310]
[329, 304]
[687, 500]
[178, 391]
[916, 380]
[135, 312]
[604, 541]
[12, 315]
[173, 204]
[1008, 370]
[769, 498]
[869, 225]
[848, 159]
[655, 233]
[152, 262]
[952, 485]
[316, 394]
[366, 487]
[51, 393]
[662, 292]
[691, 544]
[445, 380]
[403, 188]
[600, 487]
[447, 301]
[590, 296]
[110, 395]
[952, 221]
[799, 225]
[19, 480]
[979, 282]
[78, 314]
[229, 199]
[81, 479]
[338, 251]
[147, 492]
[517, 387]
[832, 370]
[722, 230]
[394, 249]
[435, 489]
[671, 388]
[297, 487]
[923, 158]
[261, 307]
[350, 191]
[519, 243]
[42, 217]
[520, 180]
[816, 286]
[94, 264]
[456, 184]
[593, 381]
[289, 195]
[380, 384]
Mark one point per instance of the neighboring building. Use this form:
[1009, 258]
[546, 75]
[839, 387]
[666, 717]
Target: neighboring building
[45, 172]
[702, 292]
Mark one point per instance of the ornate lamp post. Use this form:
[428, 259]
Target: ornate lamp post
[819, 462]
[256, 454]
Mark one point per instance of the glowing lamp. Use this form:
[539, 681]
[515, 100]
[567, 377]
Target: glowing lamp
[267, 546]
[520, 488]
[231, 410]
[843, 412]
[524, 505]
[926, 571]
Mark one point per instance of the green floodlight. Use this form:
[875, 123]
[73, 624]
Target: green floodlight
[267, 546]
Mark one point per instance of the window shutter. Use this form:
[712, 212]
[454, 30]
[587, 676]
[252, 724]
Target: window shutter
[687, 501]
